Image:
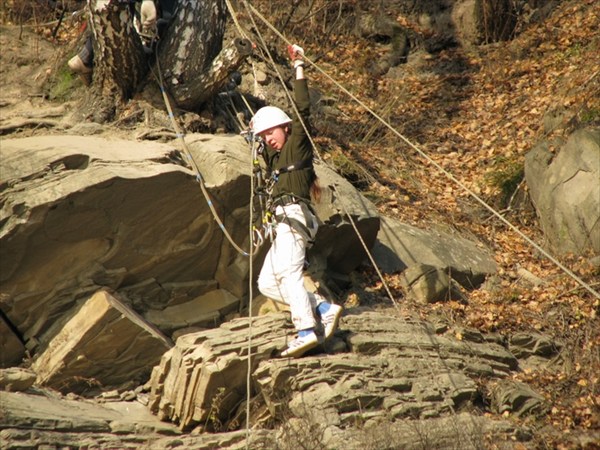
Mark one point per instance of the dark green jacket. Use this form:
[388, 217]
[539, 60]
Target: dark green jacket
[297, 148]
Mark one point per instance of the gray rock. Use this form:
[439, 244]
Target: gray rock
[394, 369]
[523, 345]
[517, 398]
[400, 246]
[428, 284]
[35, 421]
[564, 188]
[462, 431]
[337, 244]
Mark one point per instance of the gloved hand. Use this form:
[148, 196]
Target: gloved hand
[296, 55]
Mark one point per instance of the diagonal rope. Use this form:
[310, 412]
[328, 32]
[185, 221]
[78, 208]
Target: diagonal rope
[428, 364]
[446, 173]
[188, 154]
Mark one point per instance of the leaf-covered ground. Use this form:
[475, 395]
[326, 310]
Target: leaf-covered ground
[474, 112]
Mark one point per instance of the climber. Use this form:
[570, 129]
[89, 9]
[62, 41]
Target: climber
[288, 155]
[145, 25]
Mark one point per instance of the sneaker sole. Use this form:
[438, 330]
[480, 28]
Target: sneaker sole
[299, 351]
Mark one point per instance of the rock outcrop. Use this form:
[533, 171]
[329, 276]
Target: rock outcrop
[563, 185]
[82, 214]
[109, 250]
[436, 265]
[379, 366]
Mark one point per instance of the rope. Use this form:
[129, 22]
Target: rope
[191, 160]
[436, 165]
[446, 173]
[280, 77]
[429, 365]
[362, 241]
[250, 294]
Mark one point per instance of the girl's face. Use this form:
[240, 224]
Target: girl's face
[275, 137]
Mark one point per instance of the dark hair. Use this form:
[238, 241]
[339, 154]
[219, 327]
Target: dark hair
[315, 190]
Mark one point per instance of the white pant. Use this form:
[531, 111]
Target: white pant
[281, 276]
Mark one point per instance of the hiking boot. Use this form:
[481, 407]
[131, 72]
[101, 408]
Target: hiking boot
[301, 345]
[330, 320]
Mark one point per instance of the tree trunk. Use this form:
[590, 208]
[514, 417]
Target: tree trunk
[193, 63]
[119, 59]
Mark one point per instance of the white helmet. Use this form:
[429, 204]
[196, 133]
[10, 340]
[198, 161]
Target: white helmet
[269, 117]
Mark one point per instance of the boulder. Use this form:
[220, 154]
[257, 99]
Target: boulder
[386, 366]
[400, 246]
[104, 344]
[563, 185]
[208, 310]
[337, 245]
[517, 398]
[524, 345]
[428, 284]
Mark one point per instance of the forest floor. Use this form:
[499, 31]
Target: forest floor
[474, 112]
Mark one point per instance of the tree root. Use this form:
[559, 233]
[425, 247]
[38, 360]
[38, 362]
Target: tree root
[11, 127]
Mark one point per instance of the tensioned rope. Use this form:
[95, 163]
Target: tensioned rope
[396, 305]
[419, 348]
[446, 173]
[192, 162]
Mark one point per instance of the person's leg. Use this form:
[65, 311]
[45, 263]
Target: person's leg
[83, 62]
[87, 52]
[281, 277]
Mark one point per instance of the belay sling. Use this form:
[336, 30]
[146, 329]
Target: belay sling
[295, 224]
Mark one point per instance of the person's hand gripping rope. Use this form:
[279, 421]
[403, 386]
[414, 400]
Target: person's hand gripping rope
[296, 55]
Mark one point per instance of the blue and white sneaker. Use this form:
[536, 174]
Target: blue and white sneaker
[330, 318]
[301, 345]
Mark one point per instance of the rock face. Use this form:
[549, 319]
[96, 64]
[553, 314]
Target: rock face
[383, 372]
[210, 366]
[109, 244]
[81, 214]
[12, 349]
[32, 421]
[564, 189]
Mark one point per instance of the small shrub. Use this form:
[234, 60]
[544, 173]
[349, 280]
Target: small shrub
[506, 178]
[62, 85]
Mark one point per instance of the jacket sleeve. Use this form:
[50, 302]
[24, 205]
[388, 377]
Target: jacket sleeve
[303, 104]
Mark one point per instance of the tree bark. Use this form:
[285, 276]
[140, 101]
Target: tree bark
[191, 58]
[197, 90]
[195, 65]
[119, 59]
